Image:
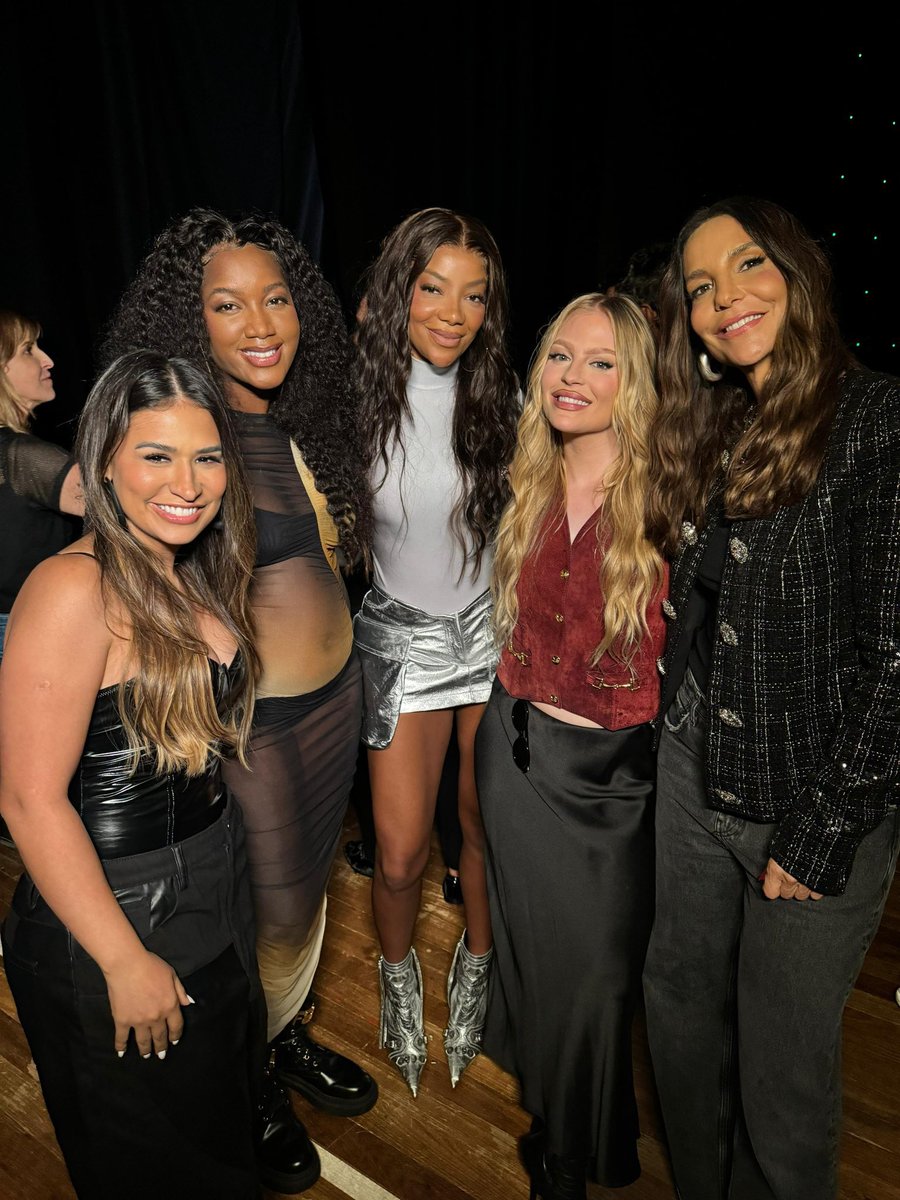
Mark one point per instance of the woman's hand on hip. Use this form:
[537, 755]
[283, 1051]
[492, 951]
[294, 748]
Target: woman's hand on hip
[146, 995]
[779, 885]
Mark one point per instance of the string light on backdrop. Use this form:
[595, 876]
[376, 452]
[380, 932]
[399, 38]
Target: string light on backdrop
[862, 238]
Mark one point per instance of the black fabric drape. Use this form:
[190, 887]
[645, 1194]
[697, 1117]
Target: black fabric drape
[119, 118]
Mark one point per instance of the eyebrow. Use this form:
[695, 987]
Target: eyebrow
[595, 350]
[443, 278]
[731, 254]
[224, 291]
[174, 449]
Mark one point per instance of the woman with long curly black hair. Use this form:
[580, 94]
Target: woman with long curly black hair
[245, 299]
[440, 404]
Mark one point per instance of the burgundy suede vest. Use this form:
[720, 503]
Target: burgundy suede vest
[560, 622]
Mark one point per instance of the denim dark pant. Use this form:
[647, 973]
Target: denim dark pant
[745, 995]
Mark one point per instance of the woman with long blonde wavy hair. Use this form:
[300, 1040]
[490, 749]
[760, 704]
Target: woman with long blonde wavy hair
[564, 758]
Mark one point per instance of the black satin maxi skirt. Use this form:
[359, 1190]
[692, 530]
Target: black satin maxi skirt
[570, 881]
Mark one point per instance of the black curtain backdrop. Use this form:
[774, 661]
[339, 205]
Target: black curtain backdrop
[121, 117]
[577, 135]
[580, 134]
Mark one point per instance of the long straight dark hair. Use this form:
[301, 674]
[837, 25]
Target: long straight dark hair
[775, 452]
[487, 408]
[168, 706]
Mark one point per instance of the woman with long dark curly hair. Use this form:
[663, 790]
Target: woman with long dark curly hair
[440, 404]
[129, 670]
[775, 488]
[245, 299]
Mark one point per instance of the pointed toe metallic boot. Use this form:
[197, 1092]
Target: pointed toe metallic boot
[467, 1000]
[402, 1023]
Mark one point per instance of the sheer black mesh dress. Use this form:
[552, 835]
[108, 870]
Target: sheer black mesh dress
[307, 722]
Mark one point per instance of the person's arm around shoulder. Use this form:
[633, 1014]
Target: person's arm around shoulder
[56, 654]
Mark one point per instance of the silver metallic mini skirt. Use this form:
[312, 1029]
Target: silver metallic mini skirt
[415, 662]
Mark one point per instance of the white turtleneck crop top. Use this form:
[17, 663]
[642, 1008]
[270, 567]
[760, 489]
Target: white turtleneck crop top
[416, 557]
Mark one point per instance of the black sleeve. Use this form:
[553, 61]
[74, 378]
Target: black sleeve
[34, 469]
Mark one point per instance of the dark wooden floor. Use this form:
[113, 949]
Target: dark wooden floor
[461, 1144]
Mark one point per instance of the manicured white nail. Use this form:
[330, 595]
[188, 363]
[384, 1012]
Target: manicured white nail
[174, 1041]
[121, 1053]
[191, 1000]
[160, 1054]
[147, 1055]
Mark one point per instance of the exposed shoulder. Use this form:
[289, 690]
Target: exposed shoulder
[62, 591]
[58, 645]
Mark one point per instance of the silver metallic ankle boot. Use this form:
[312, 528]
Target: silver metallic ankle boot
[467, 999]
[402, 1024]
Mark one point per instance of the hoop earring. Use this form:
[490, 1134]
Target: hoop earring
[707, 372]
[110, 490]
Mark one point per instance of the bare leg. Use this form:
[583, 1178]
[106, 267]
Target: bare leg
[404, 779]
[471, 858]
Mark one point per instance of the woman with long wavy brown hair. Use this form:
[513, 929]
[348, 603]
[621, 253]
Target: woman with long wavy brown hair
[775, 488]
[440, 402]
[244, 299]
[129, 670]
[564, 758]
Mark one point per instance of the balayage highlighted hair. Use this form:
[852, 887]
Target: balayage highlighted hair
[632, 570]
[167, 706]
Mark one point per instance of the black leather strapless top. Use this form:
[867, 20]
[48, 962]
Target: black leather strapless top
[127, 813]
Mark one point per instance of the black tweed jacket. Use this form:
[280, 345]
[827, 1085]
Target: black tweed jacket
[804, 685]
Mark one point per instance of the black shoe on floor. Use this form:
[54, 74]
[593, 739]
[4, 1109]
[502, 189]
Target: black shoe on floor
[355, 854]
[552, 1177]
[452, 889]
[286, 1158]
[327, 1079]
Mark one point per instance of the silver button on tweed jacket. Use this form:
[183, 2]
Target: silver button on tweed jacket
[804, 684]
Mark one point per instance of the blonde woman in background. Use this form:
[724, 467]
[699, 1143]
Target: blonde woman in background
[38, 481]
[564, 759]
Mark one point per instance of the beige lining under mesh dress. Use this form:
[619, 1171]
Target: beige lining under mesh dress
[307, 719]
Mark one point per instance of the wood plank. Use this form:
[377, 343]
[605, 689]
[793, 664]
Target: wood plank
[461, 1144]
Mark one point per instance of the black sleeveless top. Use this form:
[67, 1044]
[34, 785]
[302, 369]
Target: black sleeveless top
[130, 813]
